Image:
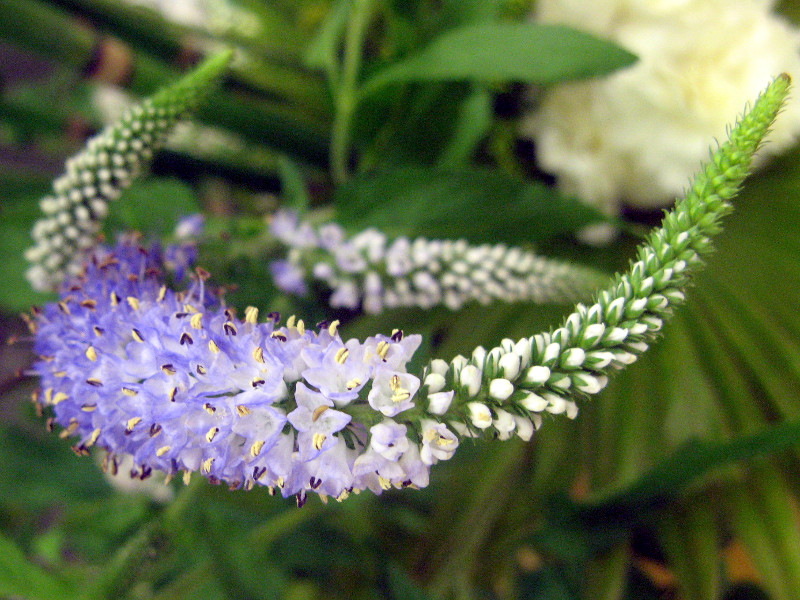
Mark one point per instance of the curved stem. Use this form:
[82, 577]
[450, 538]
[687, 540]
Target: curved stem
[347, 93]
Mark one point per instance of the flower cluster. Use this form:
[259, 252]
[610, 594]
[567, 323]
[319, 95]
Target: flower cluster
[637, 136]
[102, 170]
[497, 390]
[181, 384]
[367, 270]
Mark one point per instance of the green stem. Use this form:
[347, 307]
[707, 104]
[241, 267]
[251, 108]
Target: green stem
[347, 92]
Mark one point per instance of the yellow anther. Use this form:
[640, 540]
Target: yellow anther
[333, 327]
[212, 345]
[71, 428]
[343, 496]
[290, 321]
[48, 396]
[206, 468]
[401, 396]
[196, 321]
[93, 437]
[189, 308]
[301, 327]
[137, 335]
[64, 374]
[168, 369]
[383, 349]
[97, 331]
[129, 392]
[187, 477]
[89, 407]
[59, 397]
[280, 482]
[132, 422]
[242, 410]
[209, 409]
[255, 449]
[443, 441]
[258, 354]
[318, 412]
[162, 292]
[341, 355]
[211, 434]
[353, 383]
[91, 353]
[133, 302]
[114, 298]
[163, 450]
[251, 315]
[318, 440]
[386, 484]
[278, 335]
[172, 394]
[394, 383]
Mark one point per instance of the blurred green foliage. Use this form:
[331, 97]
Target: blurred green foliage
[384, 114]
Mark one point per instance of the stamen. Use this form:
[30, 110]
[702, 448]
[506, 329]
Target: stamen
[251, 315]
[318, 411]
[196, 321]
[163, 450]
[341, 355]
[211, 434]
[133, 302]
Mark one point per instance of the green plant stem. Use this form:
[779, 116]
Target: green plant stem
[347, 93]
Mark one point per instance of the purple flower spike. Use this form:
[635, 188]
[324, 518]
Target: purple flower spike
[179, 383]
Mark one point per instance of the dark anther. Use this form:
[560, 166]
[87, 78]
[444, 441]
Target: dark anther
[323, 324]
[94, 382]
[155, 429]
[146, 472]
[406, 483]
[230, 328]
[397, 335]
[301, 499]
[315, 483]
[275, 317]
[180, 315]
[258, 382]
[186, 339]
[133, 277]
[50, 424]
[89, 303]
[201, 370]
[258, 472]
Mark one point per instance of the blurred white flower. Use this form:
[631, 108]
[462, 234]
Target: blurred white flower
[636, 137]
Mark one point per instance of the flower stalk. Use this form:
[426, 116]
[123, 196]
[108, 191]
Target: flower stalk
[103, 170]
[182, 384]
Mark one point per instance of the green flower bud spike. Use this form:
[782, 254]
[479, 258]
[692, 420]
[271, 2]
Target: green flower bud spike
[507, 390]
[103, 169]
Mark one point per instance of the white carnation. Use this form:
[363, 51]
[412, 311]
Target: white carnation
[637, 136]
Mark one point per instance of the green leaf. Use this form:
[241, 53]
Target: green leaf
[491, 52]
[22, 579]
[293, 186]
[480, 205]
[692, 460]
[153, 206]
[474, 120]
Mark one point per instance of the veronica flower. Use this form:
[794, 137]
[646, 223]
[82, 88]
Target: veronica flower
[180, 383]
[102, 170]
[369, 271]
